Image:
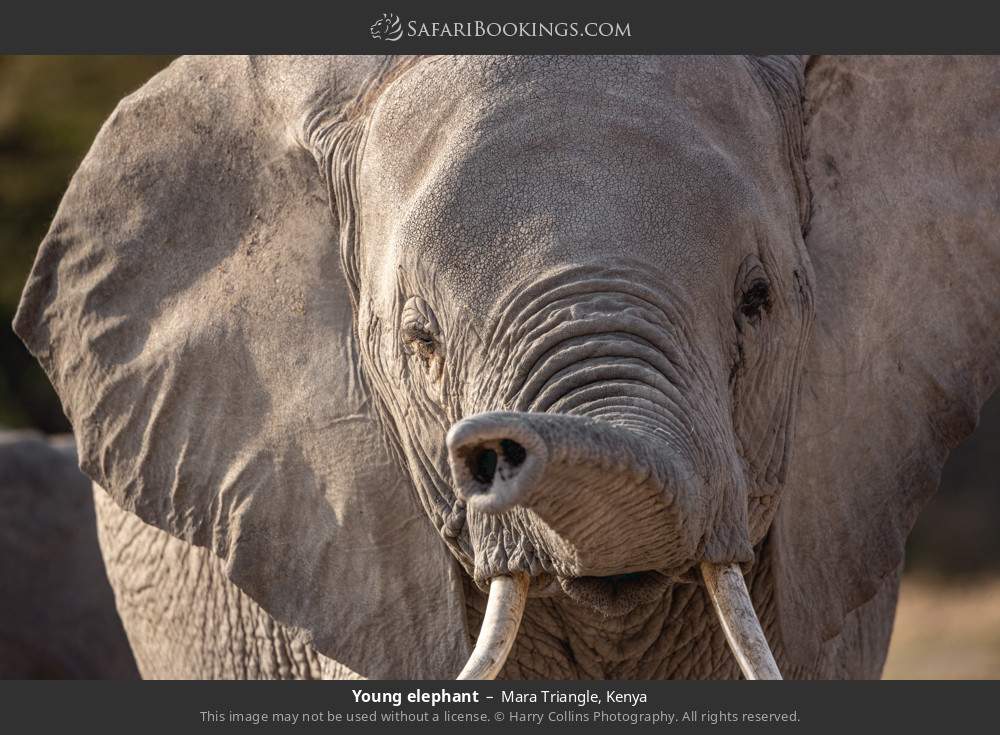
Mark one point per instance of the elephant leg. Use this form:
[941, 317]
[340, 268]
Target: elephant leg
[185, 619]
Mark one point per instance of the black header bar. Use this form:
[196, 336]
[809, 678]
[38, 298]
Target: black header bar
[395, 26]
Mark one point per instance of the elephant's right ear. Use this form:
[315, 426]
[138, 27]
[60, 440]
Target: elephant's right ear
[189, 306]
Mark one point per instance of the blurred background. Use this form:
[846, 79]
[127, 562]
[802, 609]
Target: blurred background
[51, 107]
[948, 622]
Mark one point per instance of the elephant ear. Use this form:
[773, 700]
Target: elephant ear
[903, 164]
[190, 308]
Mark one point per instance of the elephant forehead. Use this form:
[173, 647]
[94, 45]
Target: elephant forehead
[485, 167]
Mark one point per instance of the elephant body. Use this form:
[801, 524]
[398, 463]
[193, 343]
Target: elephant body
[184, 618]
[387, 335]
[58, 617]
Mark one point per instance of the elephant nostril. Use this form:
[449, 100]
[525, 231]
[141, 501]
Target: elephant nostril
[494, 458]
[483, 465]
[513, 452]
[497, 461]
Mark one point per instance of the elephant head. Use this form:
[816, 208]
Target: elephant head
[378, 331]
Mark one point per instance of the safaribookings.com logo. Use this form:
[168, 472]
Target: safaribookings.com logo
[387, 28]
[390, 28]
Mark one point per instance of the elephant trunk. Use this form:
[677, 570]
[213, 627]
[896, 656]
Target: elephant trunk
[612, 472]
[582, 477]
[586, 479]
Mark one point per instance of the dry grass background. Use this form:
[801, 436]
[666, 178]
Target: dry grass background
[946, 629]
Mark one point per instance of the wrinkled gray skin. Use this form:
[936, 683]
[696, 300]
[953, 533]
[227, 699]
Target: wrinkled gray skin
[57, 617]
[374, 330]
[185, 619]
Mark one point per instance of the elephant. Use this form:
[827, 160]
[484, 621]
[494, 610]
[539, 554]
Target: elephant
[185, 619]
[58, 618]
[535, 367]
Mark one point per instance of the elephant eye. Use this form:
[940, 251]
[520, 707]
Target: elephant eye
[419, 330]
[753, 291]
[421, 344]
[756, 298]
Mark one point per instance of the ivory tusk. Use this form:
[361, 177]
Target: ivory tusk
[732, 604]
[504, 609]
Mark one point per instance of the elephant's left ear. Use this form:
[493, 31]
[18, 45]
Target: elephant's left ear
[903, 164]
[190, 308]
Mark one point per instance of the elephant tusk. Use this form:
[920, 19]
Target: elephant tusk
[732, 604]
[504, 609]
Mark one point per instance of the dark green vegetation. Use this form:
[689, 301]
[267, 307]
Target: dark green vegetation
[51, 107]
